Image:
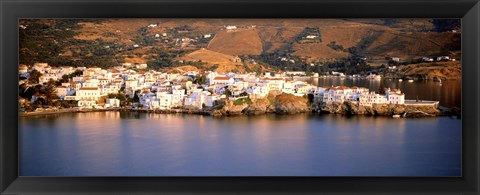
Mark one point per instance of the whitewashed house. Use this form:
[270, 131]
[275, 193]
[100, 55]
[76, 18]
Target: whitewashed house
[87, 103]
[62, 91]
[288, 87]
[112, 103]
[40, 67]
[47, 77]
[395, 96]
[222, 80]
[275, 83]
[108, 89]
[258, 91]
[141, 66]
[22, 69]
[78, 79]
[88, 93]
[368, 99]
[231, 27]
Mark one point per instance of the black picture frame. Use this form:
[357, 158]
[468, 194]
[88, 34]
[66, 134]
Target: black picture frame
[12, 10]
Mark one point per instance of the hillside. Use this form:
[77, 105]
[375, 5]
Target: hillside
[223, 61]
[441, 70]
[163, 42]
[238, 42]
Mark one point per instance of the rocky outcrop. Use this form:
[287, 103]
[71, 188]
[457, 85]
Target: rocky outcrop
[351, 108]
[273, 103]
[259, 106]
[231, 109]
[291, 104]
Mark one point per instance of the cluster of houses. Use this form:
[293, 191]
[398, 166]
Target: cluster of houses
[157, 90]
[438, 59]
[359, 95]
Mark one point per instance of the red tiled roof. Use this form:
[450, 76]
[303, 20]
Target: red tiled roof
[222, 78]
[89, 88]
[274, 79]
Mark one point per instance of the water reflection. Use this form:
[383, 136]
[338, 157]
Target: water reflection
[127, 144]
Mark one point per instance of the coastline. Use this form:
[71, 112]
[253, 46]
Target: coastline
[441, 111]
[76, 110]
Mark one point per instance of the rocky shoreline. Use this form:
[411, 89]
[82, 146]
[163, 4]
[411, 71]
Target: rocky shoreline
[400, 110]
[284, 104]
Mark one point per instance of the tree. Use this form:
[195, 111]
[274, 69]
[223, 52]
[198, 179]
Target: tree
[135, 96]
[34, 76]
[381, 89]
[50, 91]
[228, 93]
[64, 79]
[202, 79]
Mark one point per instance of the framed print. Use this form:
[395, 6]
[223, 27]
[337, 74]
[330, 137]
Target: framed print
[279, 96]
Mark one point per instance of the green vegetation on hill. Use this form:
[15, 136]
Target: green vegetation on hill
[49, 42]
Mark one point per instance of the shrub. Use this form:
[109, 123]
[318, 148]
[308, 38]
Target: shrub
[242, 101]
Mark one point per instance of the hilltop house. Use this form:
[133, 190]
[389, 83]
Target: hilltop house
[236, 59]
[231, 27]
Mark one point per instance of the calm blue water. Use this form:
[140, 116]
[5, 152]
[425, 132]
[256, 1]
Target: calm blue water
[132, 144]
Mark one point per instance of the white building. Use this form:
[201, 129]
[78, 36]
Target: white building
[141, 66]
[112, 103]
[288, 87]
[79, 79]
[442, 58]
[275, 83]
[222, 80]
[108, 89]
[427, 59]
[258, 90]
[87, 103]
[395, 96]
[88, 93]
[22, 69]
[368, 99]
[198, 99]
[62, 91]
[40, 67]
[231, 27]
[46, 77]
[168, 100]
